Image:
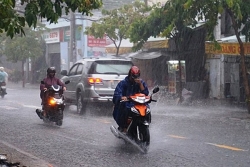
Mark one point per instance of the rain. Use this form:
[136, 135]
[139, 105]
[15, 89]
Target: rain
[199, 60]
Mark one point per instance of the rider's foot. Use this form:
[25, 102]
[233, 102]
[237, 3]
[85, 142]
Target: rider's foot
[44, 113]
[122, 130]
[39, 113]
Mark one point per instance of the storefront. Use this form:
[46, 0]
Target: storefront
[224, 69]
[174, 75]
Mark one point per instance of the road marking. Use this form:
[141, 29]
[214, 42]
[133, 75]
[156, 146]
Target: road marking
[105, 121]
[8, 108]
[177, 137]
[30, 106]
[226, 147]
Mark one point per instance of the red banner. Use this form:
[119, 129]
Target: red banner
[97, 42]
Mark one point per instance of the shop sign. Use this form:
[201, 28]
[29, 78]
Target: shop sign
[97, 42]
[227, 49]
[52, 36]
[66, 35]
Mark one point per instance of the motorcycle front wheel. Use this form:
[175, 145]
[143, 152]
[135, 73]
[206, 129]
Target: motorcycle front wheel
[145, 135]
[2, 94]
[59, 122]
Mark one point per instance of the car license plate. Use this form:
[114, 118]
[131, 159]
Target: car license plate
[113, 84]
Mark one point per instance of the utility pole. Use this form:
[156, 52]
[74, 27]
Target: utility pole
[72, 43]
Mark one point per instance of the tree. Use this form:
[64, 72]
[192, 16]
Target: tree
[21, 48]
[193, 11]
[116, 23]
[13, 20]
[165, 22]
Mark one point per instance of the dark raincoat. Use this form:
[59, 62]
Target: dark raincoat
[125, 88]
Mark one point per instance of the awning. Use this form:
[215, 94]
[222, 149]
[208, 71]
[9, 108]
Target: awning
[144, 55]
[125, 47]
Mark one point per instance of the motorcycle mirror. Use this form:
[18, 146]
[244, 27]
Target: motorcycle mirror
[156, 89]
[68, 81]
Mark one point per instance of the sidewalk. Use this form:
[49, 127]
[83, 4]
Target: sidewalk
[208, 102]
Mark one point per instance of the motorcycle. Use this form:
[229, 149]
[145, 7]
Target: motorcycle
[4, 162]
[138, 122]
[53, 106]
[2, 89]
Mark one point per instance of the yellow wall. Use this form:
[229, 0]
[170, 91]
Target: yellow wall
[122, 50]
[147, 45]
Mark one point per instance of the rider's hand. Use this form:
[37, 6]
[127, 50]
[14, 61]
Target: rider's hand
[44, 89]
[124, 98]
[64, 88]
[137, 80]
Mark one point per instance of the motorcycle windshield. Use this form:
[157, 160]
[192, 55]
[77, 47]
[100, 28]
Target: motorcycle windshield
[55, 88]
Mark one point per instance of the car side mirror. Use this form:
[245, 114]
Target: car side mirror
[64, 72]
[67, 82]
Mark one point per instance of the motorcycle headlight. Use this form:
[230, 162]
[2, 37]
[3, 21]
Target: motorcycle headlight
[52, 102]
[3, 157]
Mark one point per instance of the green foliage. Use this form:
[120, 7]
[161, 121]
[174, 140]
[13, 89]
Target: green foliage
[13, 21]
[116, 23]
[175, 15]
[19, 48]
[167, 21]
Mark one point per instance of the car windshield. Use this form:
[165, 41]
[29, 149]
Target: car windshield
[112, 67]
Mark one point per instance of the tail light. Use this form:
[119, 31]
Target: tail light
[92, 80]
[3, 84]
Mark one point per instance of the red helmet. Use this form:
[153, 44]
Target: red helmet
[134, 72]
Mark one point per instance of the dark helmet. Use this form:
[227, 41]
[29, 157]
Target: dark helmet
[51, 71]
[134, 72]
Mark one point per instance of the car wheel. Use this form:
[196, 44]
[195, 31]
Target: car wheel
[81, 108]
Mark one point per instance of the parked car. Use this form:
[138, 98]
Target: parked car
[93, 81]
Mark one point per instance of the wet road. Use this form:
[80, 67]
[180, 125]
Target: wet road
[180, 136]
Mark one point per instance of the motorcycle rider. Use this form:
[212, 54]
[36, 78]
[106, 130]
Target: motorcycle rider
[130, 85]
[47, 82]
[3, 77]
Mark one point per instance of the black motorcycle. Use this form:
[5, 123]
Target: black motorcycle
[53, 106]
[2, 89]
[4, 162]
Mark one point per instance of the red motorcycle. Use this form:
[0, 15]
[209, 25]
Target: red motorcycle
[138, 121]
[54, 105]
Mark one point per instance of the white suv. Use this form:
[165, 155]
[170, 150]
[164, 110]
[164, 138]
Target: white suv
[94, 80]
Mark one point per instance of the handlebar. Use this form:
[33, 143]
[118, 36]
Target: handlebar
[129, 99]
